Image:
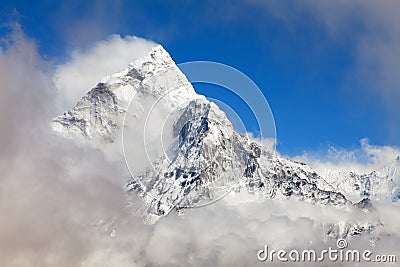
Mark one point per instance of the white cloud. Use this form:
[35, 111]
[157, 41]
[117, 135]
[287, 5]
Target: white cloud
[48, 194]
[85, 69]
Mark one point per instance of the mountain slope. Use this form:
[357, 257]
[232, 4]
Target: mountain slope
[203, 158]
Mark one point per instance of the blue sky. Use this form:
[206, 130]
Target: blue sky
[330, 71]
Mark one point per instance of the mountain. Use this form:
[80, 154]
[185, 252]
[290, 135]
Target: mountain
[200, 157]
[382, 185]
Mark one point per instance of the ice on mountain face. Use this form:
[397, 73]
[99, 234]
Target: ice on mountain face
[197, 167]
[196, 157]
[209, 159]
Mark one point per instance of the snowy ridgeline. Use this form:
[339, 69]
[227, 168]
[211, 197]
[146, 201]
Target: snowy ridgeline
[201, 157]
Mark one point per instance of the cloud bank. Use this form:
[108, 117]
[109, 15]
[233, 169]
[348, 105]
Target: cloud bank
[63, 204]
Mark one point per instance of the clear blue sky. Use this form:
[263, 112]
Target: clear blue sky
[322, 68]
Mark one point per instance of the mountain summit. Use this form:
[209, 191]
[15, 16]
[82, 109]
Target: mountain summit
[200, 157]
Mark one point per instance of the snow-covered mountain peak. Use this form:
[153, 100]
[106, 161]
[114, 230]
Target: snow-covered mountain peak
[204, 159]
[155, 61]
